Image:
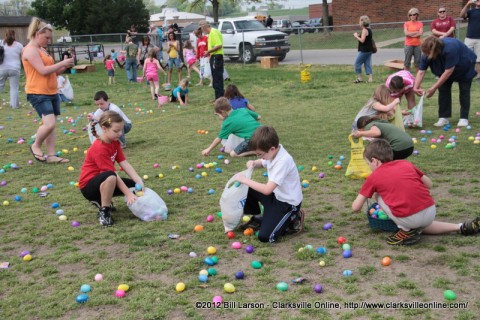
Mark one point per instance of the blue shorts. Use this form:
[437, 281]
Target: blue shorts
[172, 61]
[45, 104]
[242, 147]
[111, 73]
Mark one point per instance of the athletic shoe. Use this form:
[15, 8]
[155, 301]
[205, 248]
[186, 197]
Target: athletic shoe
[297, 223]
[441, 122]
[462, 123]
[98, 206]
[405, 238]
[472, 227]
[104, 217]
[254, 223]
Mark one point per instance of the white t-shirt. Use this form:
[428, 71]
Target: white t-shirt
[11, 60]
[283, 171]
[111, 107]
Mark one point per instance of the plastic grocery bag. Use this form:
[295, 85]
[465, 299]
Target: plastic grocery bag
[233, 200]
[397, 120]
[358, 167]
[149, 206]
[232, 142]
[415, 119]
[67, 89]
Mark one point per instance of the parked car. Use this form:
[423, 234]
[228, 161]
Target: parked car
[301, 26]
[64, 39]
[282, 25]
[316, 23]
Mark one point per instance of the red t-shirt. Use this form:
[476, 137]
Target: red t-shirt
[202, 46]
[444, 25]
[100, 157]
[109, 64]
[400, 186]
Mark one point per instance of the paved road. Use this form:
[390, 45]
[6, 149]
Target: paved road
[340, 56]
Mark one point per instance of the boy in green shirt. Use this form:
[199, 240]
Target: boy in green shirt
[241, 123]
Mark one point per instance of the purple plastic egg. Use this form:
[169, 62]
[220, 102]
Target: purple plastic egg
[318, 288]
[249, 249]
[327, 226]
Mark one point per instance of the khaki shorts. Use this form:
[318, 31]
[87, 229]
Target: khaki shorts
[474, 45]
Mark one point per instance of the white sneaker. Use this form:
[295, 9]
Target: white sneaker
[441, 122]
[462, 123]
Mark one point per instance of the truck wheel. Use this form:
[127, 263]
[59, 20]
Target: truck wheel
[247, 54]
[282, 57]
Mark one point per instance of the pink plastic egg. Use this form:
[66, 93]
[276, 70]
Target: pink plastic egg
[120, 293]
[236, 245]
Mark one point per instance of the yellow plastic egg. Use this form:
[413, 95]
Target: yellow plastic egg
[139, 193]
[180, 287]
[314, 168]
[246, 219]
[228, 287]
[71, 168]
[145, 177]
[6, 203]
[65, 150]
[123, 287]
[160, 175]
[75, 149]
[204, 272]
[321, 263]
[211, 250]
[176, 190]
[204, 174]
[62, 217]
[433, 146]
[27, 257]
[471, 138]
[76, 184]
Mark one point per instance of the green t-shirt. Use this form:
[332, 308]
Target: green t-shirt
[215, 38]
[132, 50]
[241, 122]
[398, 139]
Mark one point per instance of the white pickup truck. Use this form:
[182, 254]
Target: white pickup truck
[248, 38]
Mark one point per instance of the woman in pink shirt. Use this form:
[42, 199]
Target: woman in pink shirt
[413, 30]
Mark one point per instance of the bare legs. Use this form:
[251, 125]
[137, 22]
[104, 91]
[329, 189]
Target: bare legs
[46, 133]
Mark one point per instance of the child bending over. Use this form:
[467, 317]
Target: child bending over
[281, 196]
[374, 127]
[381, 103]
[150, 72]
[402, 190]
[180, 93]
[401, 84]
[236, 99]
[98, 180]
[240, 123]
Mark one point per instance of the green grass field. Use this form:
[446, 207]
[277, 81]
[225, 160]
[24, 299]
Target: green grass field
[313, 121]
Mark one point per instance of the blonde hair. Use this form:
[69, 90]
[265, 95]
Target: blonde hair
[152, 53]
[382, 94]
[365, 21]
[106, 120]
[413, 11]
[184, 82]
[222, 106]
[37, 25]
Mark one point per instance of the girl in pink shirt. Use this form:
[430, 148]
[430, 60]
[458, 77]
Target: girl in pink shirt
[110, 66]
[150, 72]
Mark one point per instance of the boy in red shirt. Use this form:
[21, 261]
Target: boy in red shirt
[402, 190]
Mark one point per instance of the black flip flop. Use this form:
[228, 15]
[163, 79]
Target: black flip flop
[39, 158]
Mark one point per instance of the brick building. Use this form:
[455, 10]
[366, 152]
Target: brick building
[347, 12]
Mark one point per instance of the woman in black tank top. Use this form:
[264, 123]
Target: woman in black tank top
[365, 50]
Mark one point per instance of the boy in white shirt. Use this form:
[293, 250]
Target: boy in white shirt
[281, 196]
[101, 100]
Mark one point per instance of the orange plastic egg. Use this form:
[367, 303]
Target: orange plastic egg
[248, 232]
[386, 261]
[198, 228]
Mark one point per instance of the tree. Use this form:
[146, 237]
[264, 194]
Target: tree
[93, 16]
[215, 4]
[14, 8]
[325, 18]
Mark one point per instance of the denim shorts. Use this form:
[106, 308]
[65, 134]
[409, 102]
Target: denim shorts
[174, 61]
[45, 104]
[111, 73]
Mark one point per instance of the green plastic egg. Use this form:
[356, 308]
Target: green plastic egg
[282, 286]
[449, 295]
[256, 264]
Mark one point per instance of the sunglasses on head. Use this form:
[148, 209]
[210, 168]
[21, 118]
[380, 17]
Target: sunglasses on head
[413, 14]
[441, 11]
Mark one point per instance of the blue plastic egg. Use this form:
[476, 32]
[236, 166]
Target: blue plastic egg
[82, 298]
[55, 205]
[347, 254]
[85, 288]
[208, 261]
[347, 273]
[321, 250]
[239, 275]
[203, 278]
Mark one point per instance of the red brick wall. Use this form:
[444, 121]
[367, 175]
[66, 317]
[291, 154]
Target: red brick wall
[348, 11]
[316, 10]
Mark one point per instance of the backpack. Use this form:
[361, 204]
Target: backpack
[2, 52]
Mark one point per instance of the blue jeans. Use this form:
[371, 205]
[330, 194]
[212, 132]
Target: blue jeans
[45, 104]
[131, 67]
[126, 129]
[364, 58]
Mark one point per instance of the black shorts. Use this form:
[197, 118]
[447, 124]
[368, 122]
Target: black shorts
[91, 191]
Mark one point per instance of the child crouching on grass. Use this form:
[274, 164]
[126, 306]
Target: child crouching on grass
[238, 125]
[98, 180]
[402, 190]
[180, 93]
[281, 196]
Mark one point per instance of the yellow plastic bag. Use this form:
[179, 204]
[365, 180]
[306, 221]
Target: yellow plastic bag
[397, 120]
[358, 167]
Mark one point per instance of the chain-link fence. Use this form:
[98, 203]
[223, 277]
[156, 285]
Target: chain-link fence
[387, 35]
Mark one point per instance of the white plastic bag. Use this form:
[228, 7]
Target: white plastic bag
[415, 119]
[149, 207]
[232, 142]
[97, 128]
[233, 200]
[67, 89]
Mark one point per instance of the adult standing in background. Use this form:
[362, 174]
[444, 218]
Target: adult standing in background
[451, 61]
[41, 87]
[365, 50]
[10, 68]
[215, 50]
[413, 30]
[269, 22]
[471, 10]
[131, 61]
[444, 26]
[143, 49]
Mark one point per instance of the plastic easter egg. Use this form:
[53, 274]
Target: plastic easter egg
[161, 176]
[6, 203]
[62, 217]
[211, 191]
[226, 161]
[176, 190]
[219, 170]
[347, 254]
[70, 168]
[327, 226]
[81, 298]
[214, 259]
[282, 286]
[23, 190]
[180, 287]
[321, 250]
[184, 188]
[217, 300]
[155, 165]
[239, 275]
[341, 240]
[256, 264]
[23, 253]
[208, 261]
[123, 287]
[449, 295]
[228, 287]
[43, 188]
[236, 245]
[318, 288]
[230, 235]
[55, 205]
[3, 183]
[199, 166]
[337, 167]
[203, 278]
[85, 288]
[120, 293]
[209, 218]
[59, 212]
[219, 214]
[321, 263]
[204, 174]
[211, 250]
[192, 254]
[198, 228]
[27, 257]
[198, 176]
[347, 273]
[75, 224]
[18, 198]
[212, 272]
[433, 146]
[249, 249]
[145, 177]
[204, 272]
[300, 168]
[346, 246]
[309, 247]
[386, 261]
[248, 232]
[138, 186]
[189, 190]
[98, 277]
[314, 168]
